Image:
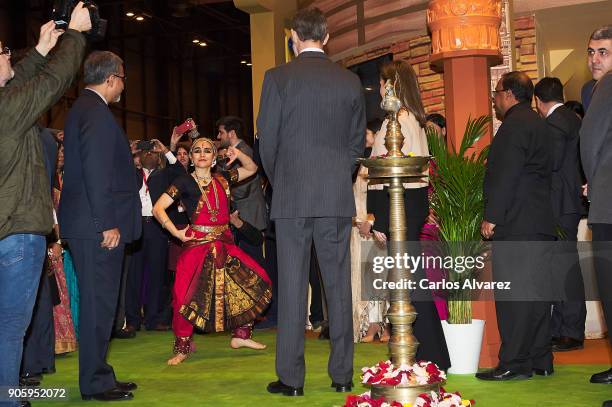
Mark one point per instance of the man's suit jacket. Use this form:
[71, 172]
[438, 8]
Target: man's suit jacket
[564, 134]
[100, 190]
[248, 196]
[586, 93]
[311, 128]
[596, 151]
[517, 184]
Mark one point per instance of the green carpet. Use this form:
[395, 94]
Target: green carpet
[219, 376]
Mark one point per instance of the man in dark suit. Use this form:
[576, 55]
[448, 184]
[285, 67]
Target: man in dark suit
[596, 153]
[568, 317]
[518, 213]
[598, 62]
[149, 255]
[99, 213]
[311, 125]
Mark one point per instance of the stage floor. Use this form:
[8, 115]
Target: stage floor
[217, 375]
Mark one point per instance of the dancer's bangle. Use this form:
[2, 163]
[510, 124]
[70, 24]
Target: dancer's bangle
[164, 223]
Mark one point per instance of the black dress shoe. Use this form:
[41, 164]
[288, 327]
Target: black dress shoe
[109, 395]
[343, 388]
[501, 374]
[126, 386]
[30, 380]
[602, 377]
[25, 404]
[280, 387]
[607, 403]
[124, 334]
[543, 372]
[566, 344]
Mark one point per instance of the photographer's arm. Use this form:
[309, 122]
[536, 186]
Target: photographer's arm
[27, 68]
[34, 61]
[22, 103]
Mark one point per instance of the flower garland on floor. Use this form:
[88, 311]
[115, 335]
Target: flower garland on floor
[432, 399]
[420, 373]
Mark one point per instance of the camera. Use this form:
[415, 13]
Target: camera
[62, 10]
[145, 145]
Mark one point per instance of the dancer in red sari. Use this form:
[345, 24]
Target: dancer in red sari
[217, 286]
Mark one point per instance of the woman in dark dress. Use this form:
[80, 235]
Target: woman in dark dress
[427, 327]
[217, 287]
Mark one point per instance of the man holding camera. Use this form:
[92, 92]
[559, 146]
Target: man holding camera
[26, 92]
[99, 213]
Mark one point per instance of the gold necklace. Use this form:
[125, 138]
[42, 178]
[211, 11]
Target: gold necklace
[212, 212]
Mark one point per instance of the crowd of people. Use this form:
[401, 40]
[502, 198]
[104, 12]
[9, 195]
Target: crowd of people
[101, 237]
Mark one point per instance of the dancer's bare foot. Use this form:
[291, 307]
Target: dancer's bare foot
[246, 343]
[386, 335]
[177, 359]
[373, 329]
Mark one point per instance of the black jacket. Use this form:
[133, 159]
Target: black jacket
[564, 134]
[100, 190]
[517, 184]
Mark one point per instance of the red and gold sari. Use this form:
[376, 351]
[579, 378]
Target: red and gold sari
[218, 287]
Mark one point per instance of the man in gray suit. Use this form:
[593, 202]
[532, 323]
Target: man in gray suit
[596, 153]
[247, 197]
[311, 128]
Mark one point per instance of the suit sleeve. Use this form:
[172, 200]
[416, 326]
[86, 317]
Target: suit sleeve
[268, 124]
[505, 163]
[558, 141]
[23, 102]
[596, 127]
[358, 129]
[98, 147]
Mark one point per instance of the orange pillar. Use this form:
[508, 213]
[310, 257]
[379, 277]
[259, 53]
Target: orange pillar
[467, 94]
[465, 43]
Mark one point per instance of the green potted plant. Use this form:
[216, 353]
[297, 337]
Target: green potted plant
[457, 201]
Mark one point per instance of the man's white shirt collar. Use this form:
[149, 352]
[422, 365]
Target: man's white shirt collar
[552, 109]
[313, 49]
[98, 93]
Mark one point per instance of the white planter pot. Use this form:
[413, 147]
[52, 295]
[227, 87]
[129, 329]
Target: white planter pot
[464, 342]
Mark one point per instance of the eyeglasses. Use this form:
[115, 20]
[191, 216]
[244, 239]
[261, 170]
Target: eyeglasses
[5, 51]
[123, 78]
[495, 92]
